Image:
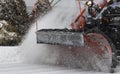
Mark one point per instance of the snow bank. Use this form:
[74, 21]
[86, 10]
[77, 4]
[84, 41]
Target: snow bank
[9, 55]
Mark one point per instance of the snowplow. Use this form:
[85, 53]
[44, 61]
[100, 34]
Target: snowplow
[94, 34]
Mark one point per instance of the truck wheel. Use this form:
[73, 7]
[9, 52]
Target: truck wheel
[103, 49]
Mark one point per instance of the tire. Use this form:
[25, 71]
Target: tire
[95, 35]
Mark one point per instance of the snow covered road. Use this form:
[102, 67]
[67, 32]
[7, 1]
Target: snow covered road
[40, 69]
[11, 63]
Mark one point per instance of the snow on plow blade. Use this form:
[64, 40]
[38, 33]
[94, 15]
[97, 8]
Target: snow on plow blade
[60, 37]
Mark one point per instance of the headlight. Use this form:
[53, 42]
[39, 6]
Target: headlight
[89, 3]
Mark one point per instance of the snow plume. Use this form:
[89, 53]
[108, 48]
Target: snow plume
[37, 53]
[59, 17]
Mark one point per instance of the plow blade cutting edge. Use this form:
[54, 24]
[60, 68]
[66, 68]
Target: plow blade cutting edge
[60, 37]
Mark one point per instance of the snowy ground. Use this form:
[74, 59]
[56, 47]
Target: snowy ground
[29, 56]
[9, 55]
[11, 63]
[40, 69]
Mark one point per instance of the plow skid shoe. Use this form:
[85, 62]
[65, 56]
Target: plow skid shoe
[60, 37]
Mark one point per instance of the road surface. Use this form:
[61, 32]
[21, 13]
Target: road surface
[40, 69]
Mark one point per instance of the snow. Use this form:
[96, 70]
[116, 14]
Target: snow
[28, 57]
[30, 2]
[40, 69]
[9, 55]
[57, 18]
[3, 33]
[61, 16]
